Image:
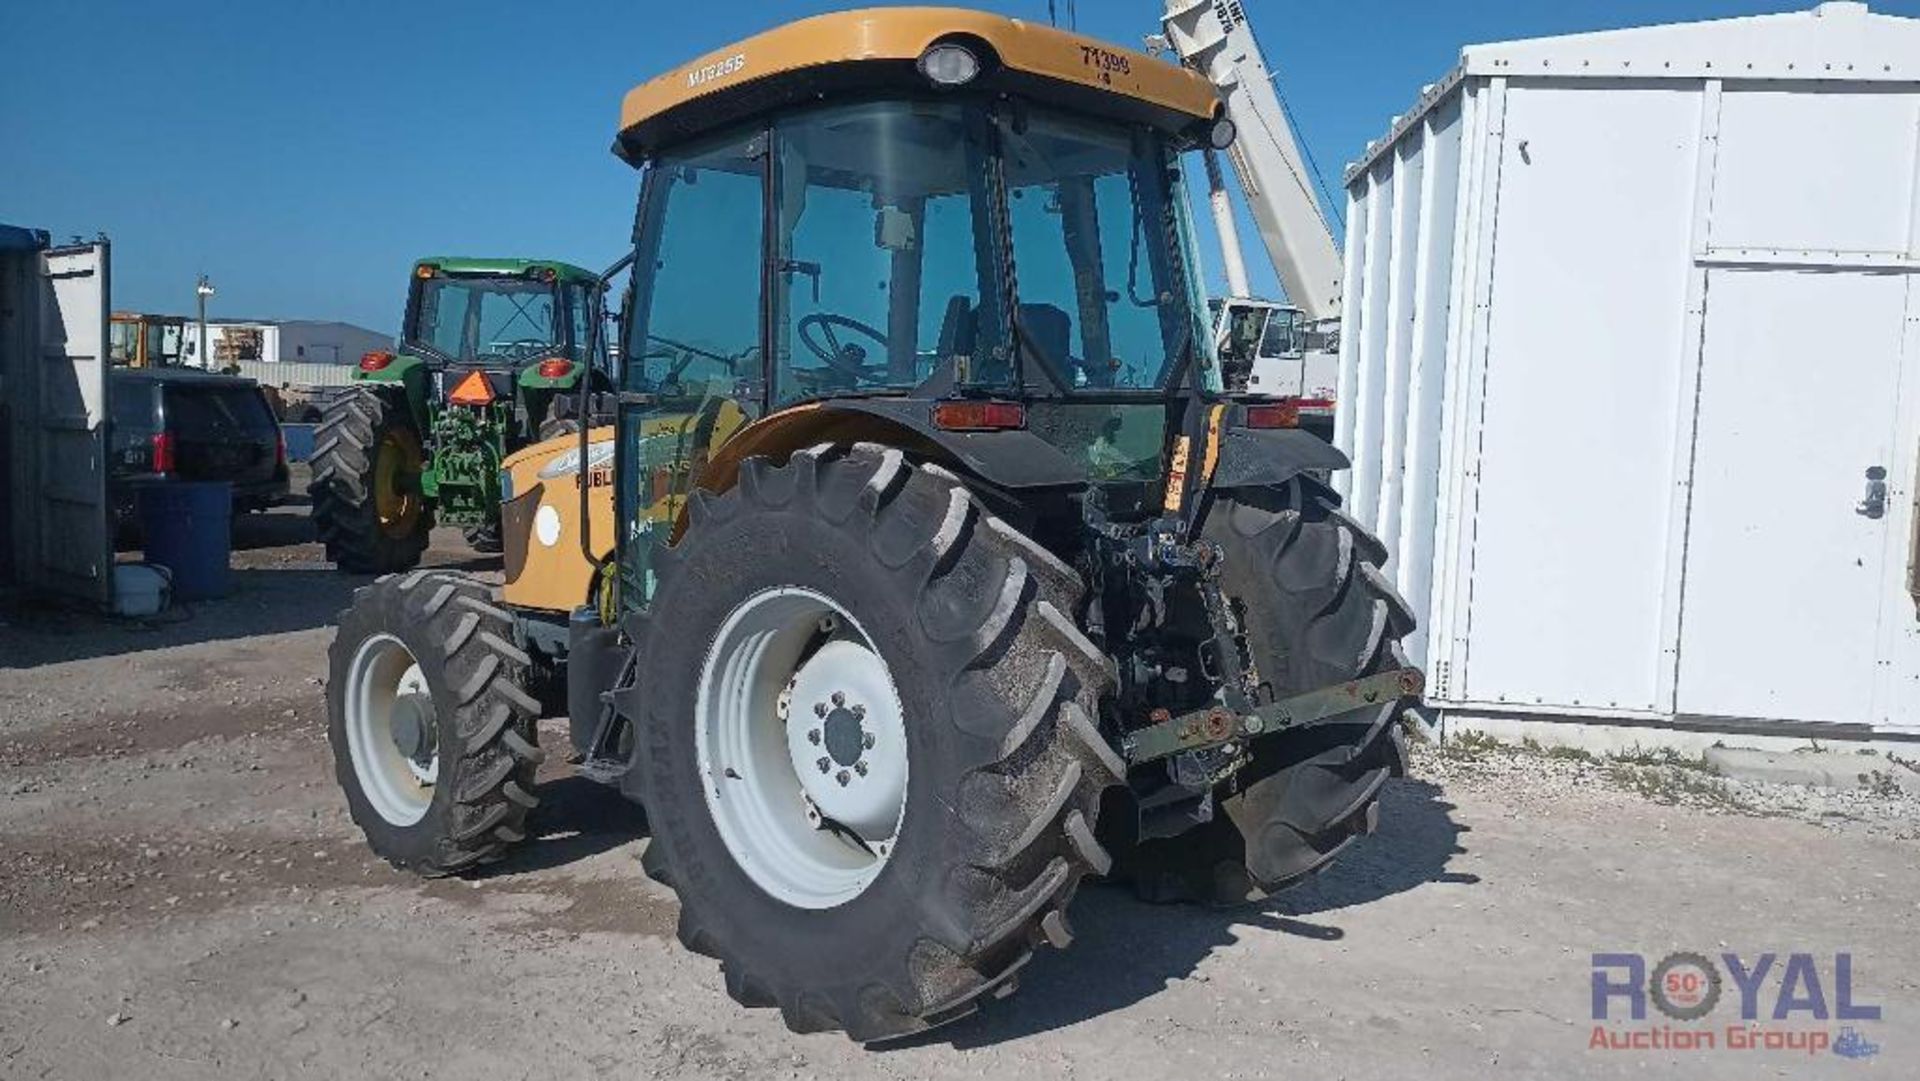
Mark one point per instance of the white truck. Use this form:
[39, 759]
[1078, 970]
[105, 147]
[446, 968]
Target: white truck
[1290, 349]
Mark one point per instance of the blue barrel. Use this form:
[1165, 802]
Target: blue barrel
[188, 531]
[299, 441]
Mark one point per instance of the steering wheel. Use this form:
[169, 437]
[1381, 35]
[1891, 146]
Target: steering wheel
[848, 360]
[519, 349]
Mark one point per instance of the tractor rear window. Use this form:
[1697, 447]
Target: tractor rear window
[877, 252]
[490, 320]
[1101, 301]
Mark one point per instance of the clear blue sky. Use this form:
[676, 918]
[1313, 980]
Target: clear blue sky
[303, 154]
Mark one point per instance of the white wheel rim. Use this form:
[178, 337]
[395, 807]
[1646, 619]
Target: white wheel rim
[767, 717]
[399, 787]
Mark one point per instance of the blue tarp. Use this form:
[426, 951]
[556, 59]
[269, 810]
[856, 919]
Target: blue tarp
[15, 238]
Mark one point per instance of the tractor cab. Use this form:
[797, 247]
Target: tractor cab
[974, 224]
[500, 314]
[142, 340]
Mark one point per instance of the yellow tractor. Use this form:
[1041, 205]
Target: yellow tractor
[928, 568]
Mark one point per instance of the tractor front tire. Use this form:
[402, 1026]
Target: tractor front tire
[1305, 582]
[431, 724]
[1000, 767]
[367, 505]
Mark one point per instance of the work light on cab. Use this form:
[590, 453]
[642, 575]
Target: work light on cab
[1221, 133]
[949, 64]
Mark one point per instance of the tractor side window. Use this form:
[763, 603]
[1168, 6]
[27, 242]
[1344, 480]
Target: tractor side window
[1100, 302]
[696, 324]
[880, 217]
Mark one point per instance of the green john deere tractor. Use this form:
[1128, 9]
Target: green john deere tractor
[491, 358]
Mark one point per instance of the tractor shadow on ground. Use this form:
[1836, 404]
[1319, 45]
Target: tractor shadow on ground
[577, 819]
[1126, 951]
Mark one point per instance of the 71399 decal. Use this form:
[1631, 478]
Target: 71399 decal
[1104, 61]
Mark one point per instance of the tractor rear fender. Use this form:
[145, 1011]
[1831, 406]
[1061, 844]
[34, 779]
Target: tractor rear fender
[405, 376]
[1256, 457]
[1014, 459]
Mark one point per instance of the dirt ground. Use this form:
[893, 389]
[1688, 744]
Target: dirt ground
[183, 896]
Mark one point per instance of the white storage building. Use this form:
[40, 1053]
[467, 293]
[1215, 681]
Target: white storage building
[1631, 375]
[284, 341]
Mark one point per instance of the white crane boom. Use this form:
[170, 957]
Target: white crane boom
[1213, 38]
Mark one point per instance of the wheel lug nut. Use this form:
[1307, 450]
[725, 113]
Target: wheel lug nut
[838, 699]
[813, 736]
[824, 765]
[860, 767]
[843, 777]
[820, 709]
[866, 741]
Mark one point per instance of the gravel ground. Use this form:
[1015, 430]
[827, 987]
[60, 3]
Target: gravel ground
[183, 896]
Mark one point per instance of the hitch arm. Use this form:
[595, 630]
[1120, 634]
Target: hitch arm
[1217, 725]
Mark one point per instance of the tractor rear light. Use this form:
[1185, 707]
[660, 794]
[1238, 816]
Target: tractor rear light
[425, 270]
[376, 360]
[979, 416]
[280, 447]
[163, 452]
[1281, 414]
[555, 368]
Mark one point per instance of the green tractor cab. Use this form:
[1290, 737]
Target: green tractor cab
[491, 359]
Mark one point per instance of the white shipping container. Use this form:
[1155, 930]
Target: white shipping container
[1628, 316]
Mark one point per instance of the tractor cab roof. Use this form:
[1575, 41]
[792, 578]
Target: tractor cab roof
[467, 265]
[880, 49]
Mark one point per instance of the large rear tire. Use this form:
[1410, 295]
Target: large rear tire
[1305, 581]
[894, 577]
[367, 505]
[432, 728]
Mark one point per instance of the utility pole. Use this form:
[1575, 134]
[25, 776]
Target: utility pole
[203, 289]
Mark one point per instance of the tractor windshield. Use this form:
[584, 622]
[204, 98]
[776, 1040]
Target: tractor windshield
[881, 220]
[496, 321]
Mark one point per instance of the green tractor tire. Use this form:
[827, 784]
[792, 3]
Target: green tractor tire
[368, 508]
